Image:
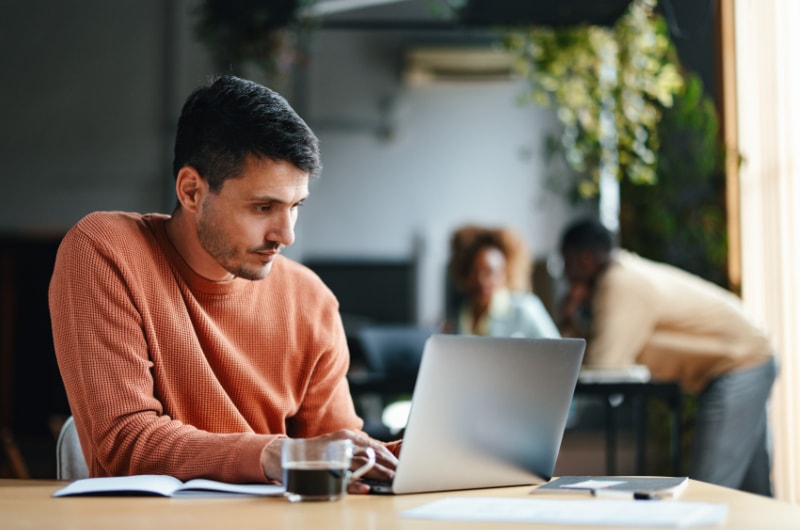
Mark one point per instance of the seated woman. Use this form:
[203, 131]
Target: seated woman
[491, 269]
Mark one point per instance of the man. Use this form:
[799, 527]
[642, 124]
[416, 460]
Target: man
[684, 329]
[187, 344]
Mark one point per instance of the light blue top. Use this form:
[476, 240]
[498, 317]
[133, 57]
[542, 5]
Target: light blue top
[511, 314]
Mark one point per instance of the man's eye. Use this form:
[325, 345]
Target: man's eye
[263, 207]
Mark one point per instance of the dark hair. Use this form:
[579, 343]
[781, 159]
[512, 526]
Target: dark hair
[221, 124]
[469, 240]
[587, 234]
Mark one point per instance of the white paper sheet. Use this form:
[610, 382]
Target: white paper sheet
[593, 484]
[676, 514]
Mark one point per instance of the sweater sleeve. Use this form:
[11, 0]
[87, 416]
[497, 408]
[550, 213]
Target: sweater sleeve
[623, 320]
[327, 404]
[102, 352]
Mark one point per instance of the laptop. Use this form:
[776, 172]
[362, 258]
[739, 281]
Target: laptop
[486, 412]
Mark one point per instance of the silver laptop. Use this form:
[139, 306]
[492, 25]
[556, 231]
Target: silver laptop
[486, 412]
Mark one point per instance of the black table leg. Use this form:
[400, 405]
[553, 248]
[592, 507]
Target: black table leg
[640, 409]
[675, 432]
[611, 434]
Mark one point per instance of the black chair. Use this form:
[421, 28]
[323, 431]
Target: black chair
[392, 353]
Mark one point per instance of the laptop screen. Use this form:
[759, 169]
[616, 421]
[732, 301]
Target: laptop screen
[487, 411]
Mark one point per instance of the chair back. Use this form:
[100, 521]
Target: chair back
[70, 463]
[394, 350]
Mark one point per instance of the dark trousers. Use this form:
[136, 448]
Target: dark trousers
[732, 441]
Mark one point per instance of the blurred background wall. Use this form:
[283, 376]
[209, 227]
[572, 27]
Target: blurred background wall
[91, 94]
[94, 89]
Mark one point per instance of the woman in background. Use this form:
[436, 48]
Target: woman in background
[491, 269]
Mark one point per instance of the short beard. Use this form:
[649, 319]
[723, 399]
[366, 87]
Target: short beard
[216, 244]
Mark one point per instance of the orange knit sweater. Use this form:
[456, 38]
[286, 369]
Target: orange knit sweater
[167, 372]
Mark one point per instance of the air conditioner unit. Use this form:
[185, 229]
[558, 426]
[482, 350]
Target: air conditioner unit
[457, 64]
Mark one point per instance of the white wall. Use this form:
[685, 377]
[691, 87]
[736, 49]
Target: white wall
[457, 153]
[88, 111]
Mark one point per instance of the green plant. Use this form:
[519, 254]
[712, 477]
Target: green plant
[680, 219]
[265, 34]
[608, 86]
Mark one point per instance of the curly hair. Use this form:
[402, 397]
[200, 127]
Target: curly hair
[467, 241]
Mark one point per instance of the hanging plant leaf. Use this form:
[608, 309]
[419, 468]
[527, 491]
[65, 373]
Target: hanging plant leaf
[608, 87]
[260, 32]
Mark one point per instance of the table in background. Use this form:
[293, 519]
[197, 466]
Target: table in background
[637, 392]
[27, 504]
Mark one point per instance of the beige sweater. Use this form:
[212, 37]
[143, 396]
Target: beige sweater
[681, 327]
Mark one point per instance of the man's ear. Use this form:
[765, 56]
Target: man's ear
[190, 188]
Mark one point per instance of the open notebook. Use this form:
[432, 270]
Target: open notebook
[164, 486]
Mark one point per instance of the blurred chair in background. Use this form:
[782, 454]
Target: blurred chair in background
[392, 353]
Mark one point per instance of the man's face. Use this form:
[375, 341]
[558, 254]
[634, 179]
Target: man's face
[246, 224]
[580, 266]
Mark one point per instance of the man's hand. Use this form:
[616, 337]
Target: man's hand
[384, 468]
[577, 296]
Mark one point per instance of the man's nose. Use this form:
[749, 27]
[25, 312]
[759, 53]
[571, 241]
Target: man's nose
[282, 231]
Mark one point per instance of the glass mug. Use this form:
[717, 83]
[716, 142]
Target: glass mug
[319, 470]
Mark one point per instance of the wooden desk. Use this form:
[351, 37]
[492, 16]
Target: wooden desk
[27, 504]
